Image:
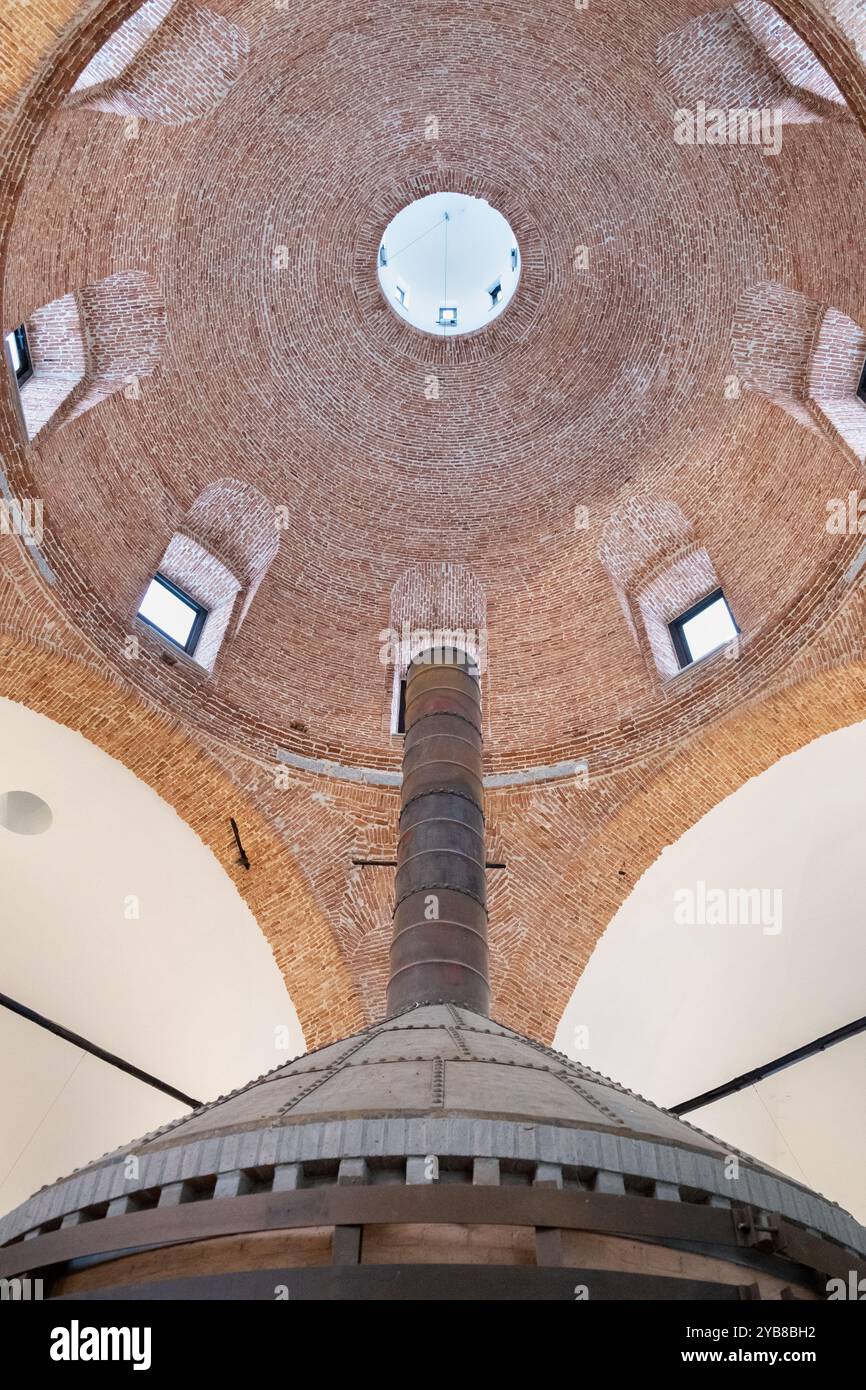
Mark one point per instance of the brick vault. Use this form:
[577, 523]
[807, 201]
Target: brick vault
[608, 446]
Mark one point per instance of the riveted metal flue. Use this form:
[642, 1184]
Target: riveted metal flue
[439, 946]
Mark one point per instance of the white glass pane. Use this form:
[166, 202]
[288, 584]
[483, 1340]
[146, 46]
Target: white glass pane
[13, 347]
[709, 629]
[169, 613]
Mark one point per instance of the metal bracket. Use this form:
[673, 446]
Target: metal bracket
[757, 1230]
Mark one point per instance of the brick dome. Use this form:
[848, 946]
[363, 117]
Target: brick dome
[283, 367]
[194, 201]
[191, 227]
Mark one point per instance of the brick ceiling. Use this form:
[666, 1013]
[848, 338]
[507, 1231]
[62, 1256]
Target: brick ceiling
[603, 383]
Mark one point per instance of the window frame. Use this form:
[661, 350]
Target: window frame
[201, 615]
[861, 388]
[679, 639]
[24, 373]
[447, 309]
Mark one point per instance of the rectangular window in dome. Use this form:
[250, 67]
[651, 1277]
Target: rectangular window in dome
[398, 704]
[448, 315]
[861, 389]
[171, 612]
[704, 628]
[19, 354]
[495, 293]
[401, 708]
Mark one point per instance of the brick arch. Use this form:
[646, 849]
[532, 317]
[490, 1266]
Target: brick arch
[163, 756]
[835, 31]
[89, 344]
[233, 520]
[773, 335]
[806, 357]
[748, 56]
[432, 604]
[658, 568]
[704, 772]
[171, 62]
[791, 56]
[219, 554]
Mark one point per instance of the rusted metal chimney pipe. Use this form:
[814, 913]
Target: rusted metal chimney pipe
[439, 945]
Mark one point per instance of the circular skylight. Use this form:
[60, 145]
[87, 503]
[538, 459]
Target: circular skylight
[24, 813]
[449, 263]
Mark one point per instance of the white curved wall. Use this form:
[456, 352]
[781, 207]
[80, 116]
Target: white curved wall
[187, 990]
[672, 1010]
